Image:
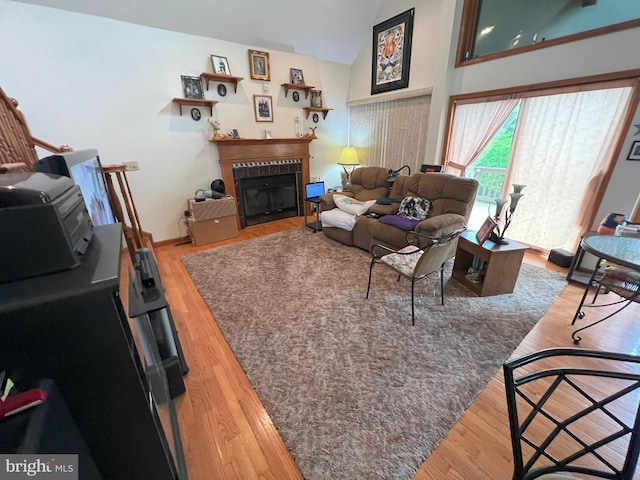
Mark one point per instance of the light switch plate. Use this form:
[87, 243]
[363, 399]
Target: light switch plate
[131, 166]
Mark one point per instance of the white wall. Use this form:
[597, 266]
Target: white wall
[98, 83]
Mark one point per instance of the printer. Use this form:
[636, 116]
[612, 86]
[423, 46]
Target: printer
[45, 225]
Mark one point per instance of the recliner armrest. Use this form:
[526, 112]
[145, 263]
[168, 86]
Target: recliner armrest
[439, 224]
[327, 202]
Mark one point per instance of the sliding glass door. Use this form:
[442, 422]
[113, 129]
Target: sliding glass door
[559, 145]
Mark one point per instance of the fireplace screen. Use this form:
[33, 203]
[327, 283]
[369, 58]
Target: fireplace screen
[269, 198]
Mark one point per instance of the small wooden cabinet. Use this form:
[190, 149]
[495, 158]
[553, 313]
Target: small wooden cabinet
[502, 264]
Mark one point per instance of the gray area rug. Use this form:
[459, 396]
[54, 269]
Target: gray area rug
[355, 391]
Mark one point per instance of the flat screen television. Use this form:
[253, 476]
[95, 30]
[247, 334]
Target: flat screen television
[84, 168]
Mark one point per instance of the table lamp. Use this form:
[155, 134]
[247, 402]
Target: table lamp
[348, 157]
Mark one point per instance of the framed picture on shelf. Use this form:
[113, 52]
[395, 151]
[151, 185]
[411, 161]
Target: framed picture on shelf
[391, 55]
[296, 76]
[634, 153]
[220, 65]
[316, 98]
[263, 107]
[485, 230]
[192, 87]
[259, 65]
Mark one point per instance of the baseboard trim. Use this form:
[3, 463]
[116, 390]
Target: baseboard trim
[172, 241]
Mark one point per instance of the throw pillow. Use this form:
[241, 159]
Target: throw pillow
[338, 219]
[351, 205]
[414, 207]
[404, 223]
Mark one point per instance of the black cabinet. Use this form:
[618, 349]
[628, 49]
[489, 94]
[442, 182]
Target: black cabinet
[71, 327]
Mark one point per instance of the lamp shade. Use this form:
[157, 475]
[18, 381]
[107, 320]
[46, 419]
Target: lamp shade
[349, 156]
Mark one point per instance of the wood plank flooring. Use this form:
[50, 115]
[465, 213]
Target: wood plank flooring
[227, 434]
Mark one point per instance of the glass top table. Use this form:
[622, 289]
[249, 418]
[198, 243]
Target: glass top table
[623, 251]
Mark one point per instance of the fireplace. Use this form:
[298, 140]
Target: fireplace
[268, 198]
[265, 176]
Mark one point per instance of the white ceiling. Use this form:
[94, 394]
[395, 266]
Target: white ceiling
[333, 30]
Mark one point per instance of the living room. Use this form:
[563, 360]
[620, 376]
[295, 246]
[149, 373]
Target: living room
[106, 77]
[94, 82]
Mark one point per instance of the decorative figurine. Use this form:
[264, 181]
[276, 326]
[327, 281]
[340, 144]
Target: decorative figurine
[216, 128]
[312, 134]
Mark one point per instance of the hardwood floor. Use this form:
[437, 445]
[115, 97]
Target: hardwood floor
[228, 435]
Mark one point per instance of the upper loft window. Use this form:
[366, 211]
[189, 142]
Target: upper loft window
[497, 28]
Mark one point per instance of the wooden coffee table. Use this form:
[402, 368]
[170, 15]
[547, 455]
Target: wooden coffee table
[502, 264]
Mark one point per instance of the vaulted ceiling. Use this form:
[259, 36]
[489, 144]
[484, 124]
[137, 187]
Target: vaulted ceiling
[333, 30]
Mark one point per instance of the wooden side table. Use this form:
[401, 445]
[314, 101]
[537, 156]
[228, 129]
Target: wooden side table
[502, 264]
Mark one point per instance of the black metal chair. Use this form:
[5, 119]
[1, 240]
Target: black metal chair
[549, 402]
[422, 257]
[623, 281]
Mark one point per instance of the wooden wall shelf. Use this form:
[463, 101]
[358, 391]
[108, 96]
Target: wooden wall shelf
[195, 102]
[295, 86]
[324, 111]
[217, 77]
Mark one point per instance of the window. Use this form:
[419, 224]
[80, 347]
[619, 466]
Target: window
[497, 28]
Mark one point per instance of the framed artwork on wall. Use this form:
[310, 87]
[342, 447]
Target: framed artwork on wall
[391, 55]
[634, 153]
[220, 65]
[259, 65]
[263, 107]
[192, 87]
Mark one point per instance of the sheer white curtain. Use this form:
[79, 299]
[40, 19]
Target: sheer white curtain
[474, 125]
[391, 134]
[560, 150]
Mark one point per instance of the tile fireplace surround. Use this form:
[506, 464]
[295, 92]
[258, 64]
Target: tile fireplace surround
[249, 158]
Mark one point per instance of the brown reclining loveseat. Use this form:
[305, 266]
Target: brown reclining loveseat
[451, 200]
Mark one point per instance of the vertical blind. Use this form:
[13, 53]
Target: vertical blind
[390, 134]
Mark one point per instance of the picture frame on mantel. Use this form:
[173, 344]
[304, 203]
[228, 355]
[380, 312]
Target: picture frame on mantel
[259, 65]
[391, 55]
